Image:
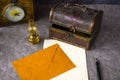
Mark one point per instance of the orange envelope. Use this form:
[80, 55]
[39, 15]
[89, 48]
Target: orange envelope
[43, 65]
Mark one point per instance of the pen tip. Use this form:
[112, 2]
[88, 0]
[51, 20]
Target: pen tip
[96, 60]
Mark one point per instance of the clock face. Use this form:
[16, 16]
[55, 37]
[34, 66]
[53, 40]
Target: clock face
[14, 13]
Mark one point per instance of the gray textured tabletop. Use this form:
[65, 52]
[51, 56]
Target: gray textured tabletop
[14, 44]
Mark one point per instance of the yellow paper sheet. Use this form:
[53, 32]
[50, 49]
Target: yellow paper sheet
[43, 64]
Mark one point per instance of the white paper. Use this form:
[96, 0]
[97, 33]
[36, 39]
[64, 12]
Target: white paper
[77, 56]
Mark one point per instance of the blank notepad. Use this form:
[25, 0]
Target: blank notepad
[77, 56]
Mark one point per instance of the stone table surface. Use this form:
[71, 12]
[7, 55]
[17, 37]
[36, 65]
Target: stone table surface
[14, 44]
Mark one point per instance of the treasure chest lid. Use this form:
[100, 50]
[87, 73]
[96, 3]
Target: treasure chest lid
[76, 17]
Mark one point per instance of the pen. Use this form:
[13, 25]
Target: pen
[98, 69]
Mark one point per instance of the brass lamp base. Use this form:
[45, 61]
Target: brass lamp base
[34, 39]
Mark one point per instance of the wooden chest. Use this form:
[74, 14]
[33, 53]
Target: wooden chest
[75, 24]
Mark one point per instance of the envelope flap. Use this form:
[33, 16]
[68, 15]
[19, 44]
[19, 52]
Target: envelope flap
[60, 63]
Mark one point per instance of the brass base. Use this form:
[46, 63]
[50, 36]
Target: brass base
[34, 39]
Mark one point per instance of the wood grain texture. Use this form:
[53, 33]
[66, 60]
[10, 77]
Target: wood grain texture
[75, 24]
[76, 17]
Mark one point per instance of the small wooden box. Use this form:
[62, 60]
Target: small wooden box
[75, 24]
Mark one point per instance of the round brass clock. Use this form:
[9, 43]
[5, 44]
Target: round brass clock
[14, 13]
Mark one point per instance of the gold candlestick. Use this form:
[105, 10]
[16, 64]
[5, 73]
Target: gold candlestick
[33, 37]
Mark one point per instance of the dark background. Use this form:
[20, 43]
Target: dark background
[79, 1]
